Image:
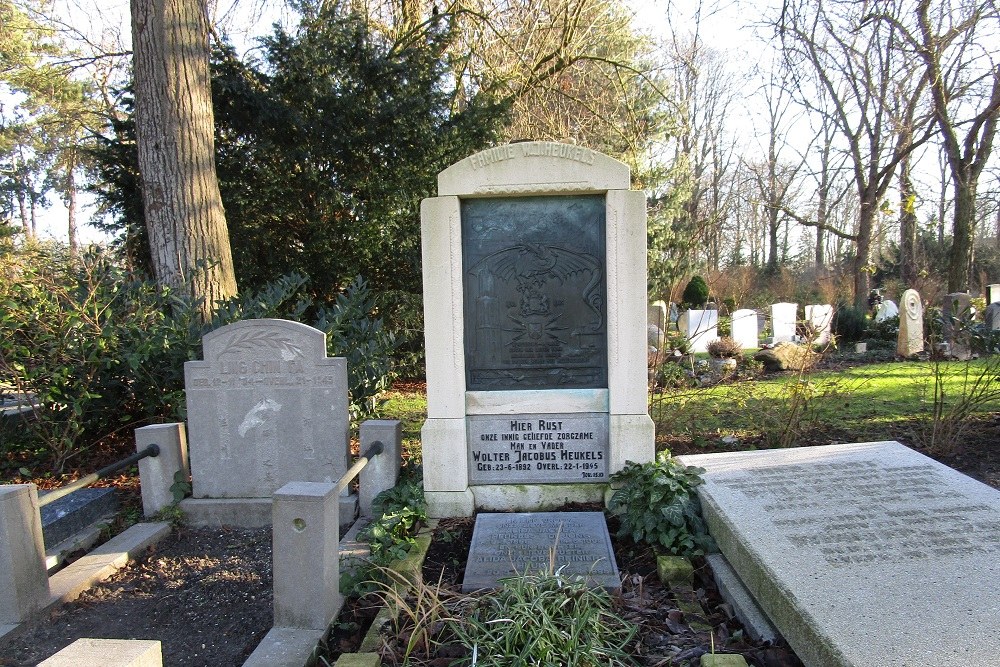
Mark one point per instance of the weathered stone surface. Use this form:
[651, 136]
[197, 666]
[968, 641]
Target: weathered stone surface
[70, 514]
[108, 652]
[265, 407]
[24, 585]
[841, 544]
[786, 356]
[993, 293]
[783, 319]
[505, 545]
[956, 313]
[657, 315]
[910, 340]
[744, 328]
[674, 570]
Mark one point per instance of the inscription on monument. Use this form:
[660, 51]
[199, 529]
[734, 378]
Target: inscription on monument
[505, 545]
[886, 514]
[535, 292]
[538, 449]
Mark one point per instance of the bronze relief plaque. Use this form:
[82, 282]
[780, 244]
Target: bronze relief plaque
[535, 293]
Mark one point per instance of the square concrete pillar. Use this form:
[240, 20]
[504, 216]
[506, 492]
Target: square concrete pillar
[382, 471]
[157, 473]
[305, 555]
[24, 583]
[108, 653]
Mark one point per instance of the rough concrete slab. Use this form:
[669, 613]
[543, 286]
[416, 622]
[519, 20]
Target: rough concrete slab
[745, 608]
[862, 555]
[285, 647]
[7, 629]
[108, 653]
[505, 545]
[105, 560]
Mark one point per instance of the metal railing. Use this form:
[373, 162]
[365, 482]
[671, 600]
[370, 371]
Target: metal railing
[83, 482]
[374, 449]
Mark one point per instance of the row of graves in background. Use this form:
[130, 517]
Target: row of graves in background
[700, 327]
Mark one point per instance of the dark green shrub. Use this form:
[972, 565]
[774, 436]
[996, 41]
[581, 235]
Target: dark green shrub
[849, 323]
[696, 293]
[887, 329]
[657, 504]
[399, 511]
[103, 350]
[671, 375]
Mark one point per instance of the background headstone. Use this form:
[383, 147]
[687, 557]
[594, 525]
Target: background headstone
[700, 327]
[991, 316]
[783, 319]
[885, 310]
[993, 293]
[820, 318]
[657, 314]
[910, 340]
[956, 313]
[265, 407]
[744, 328]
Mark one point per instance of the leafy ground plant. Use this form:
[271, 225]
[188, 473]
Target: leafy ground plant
[547, 620]
[656, 504]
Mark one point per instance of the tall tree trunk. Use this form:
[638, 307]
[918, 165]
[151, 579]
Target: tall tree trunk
[188, 237]
[907, 226]
[960, 256]
[862, 282]
[22, 205]
[74, 244]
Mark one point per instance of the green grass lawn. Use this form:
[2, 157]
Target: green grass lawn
[867, 402]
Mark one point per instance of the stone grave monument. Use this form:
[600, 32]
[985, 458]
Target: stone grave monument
[956, 312]
[534, 273]
[700, 327]
[910, 340]
[820, 318]
[783, 318]
[265, 407]
[744, 328]
[993, 293]
[861, 555]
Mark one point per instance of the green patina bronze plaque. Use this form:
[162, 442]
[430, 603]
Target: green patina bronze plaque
[535, 293]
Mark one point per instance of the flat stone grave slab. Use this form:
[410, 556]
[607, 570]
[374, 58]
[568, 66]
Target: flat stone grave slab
[70, 514]
[506, 545]
[865, 554]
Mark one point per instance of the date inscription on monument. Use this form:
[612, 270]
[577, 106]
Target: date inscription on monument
[538, 449]
[534, 289]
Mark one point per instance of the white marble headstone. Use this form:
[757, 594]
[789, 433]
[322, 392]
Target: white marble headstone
[993, 293]
[744, 328]
[820, 317]
[700, 327]
[783, 317]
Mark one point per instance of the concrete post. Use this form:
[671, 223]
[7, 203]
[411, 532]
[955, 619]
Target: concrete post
[24, 582]
[305, 555]
[382, 471]
[156, 474]
[108, 653]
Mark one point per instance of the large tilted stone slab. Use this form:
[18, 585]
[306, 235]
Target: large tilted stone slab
[862, 555]
[505, 545]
